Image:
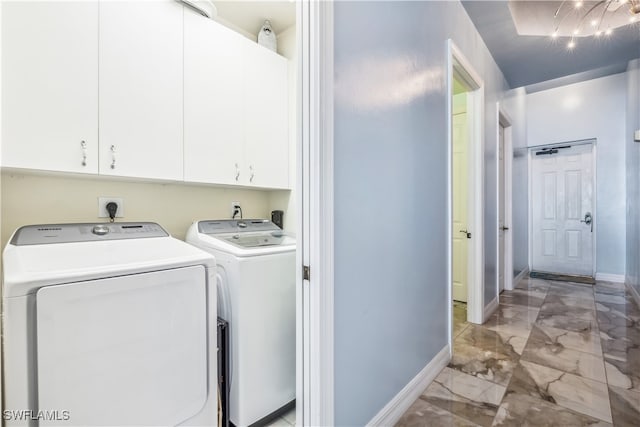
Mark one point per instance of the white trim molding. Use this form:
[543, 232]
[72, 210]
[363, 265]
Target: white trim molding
[608, 277]
[315, 326]
[489, 309]
[393, 411]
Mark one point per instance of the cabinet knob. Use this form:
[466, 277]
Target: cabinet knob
[83, 145]
[113, 157]
[237, 172]
[252, 173]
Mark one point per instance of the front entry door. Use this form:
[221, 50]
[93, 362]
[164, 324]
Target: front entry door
[563, 212]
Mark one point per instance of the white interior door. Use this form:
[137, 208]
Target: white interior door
[501, 209]
[563, 210]
[460, 206]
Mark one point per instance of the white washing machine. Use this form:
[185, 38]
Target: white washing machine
[256, 295]
[108, 324]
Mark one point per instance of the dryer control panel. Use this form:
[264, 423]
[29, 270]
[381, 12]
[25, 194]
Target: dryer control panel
[92, 232]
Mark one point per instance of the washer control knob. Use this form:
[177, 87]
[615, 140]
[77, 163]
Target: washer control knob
[100, 230]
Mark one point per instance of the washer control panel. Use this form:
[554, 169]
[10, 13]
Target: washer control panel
[218, 226]
[68, 233]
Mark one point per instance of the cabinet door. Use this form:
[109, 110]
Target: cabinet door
[266, 117]
[141, 89]
[213, 134]
[50, 86]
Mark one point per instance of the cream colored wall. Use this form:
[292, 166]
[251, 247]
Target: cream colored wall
[37, 199]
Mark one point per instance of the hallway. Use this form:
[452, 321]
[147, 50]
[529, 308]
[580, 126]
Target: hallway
[553, 354]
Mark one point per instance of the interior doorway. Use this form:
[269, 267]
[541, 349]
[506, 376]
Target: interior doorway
[562, 183]
[466, 190]
[460, 182]
[505, 183]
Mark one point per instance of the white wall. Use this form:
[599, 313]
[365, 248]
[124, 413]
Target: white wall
[515, 103]
[591, 109]
[633, 175]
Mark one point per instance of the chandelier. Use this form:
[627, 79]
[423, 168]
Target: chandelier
[577, 18]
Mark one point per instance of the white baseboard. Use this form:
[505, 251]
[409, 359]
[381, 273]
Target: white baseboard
[634, 293]
[393, 411]
[489, 309]
[608, 277]
[520, 276]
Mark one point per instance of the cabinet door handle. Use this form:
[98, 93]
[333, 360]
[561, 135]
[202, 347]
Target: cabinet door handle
[113, 157]
[83, 144]
[252, 173]
[237, 172]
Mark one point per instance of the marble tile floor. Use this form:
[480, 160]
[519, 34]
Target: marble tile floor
[553, 354]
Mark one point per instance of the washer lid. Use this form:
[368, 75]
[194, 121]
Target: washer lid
[242, 238]
[253, 240]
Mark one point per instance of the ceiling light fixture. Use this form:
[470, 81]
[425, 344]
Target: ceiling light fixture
[603, 16]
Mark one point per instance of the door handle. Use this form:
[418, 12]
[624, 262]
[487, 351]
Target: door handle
[467, 233]
[588, 219]
[503, 228]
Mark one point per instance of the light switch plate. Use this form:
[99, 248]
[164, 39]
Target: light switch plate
[636, 136]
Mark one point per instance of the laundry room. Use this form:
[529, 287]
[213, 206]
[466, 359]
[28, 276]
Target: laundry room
[183, 114]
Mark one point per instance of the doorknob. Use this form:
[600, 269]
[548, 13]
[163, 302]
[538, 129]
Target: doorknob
[467, 233]
[588, 219]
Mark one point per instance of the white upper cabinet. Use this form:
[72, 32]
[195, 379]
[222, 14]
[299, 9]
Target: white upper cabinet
[141, 89]
[235, 100]
[266, 117]
[50, 86]
[213, 129]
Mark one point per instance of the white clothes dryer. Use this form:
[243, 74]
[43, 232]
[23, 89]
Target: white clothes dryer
[108, 324]
[256, 295]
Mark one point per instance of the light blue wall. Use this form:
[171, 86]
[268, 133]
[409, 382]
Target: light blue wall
[586, 110]
[633, 175]
[516, 103]
[391, 192]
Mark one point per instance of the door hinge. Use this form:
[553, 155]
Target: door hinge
[306, 272]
